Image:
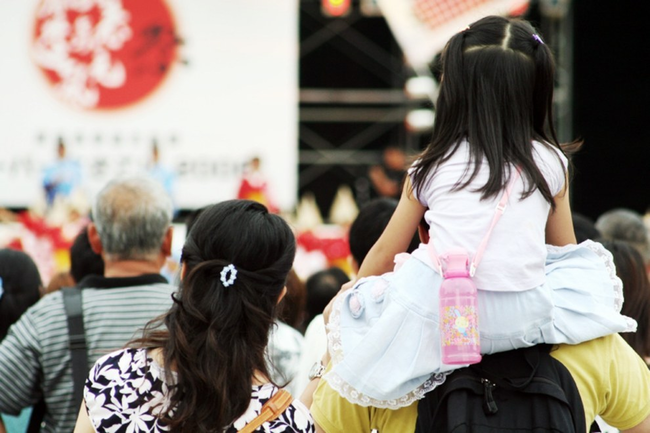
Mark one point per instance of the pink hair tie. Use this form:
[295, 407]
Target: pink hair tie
[537, 38]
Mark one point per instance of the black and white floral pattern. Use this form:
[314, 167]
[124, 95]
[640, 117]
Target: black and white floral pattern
[126, 391]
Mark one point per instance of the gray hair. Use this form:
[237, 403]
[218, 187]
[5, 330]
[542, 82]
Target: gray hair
[132, 216]
[625, 225]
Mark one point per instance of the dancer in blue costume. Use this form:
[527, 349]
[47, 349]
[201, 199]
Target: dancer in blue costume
[493, 130]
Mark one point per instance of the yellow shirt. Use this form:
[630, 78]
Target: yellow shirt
[613, 381]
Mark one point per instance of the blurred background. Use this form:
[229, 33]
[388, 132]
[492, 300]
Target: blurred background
[313, 107]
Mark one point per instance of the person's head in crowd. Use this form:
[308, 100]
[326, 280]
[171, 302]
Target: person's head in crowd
[291, 309]
[132, 222]
[394, 158]
[20, 286]
[322, 286]
[60, 148]
[83, 260]
[369, 224]
[155, 152]
[235, 263]
[625, 225]
[59, 281]
[584, 228]
[630, 268]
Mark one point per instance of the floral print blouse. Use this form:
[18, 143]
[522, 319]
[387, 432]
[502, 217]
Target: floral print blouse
[126, 392]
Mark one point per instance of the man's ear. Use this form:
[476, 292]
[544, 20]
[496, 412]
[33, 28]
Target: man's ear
[166, 247]
[93, 238]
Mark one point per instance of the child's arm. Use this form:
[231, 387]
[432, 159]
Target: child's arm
[559, 227]
[396, 236]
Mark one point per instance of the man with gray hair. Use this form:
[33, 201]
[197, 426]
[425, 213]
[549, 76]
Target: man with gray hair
[132, 232]
[626, 225]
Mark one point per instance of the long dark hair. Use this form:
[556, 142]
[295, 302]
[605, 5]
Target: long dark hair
[497, 93]
[21, 283]
[630, 268]
[217, 333]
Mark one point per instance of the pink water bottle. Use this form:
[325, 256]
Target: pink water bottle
[459, 312]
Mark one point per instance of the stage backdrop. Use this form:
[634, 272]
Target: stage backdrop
[212, 82]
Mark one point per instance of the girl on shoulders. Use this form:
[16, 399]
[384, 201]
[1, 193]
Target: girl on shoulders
[492, 182]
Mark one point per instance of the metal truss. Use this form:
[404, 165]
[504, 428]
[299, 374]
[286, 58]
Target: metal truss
[371, 113]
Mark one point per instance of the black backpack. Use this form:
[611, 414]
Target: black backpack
[524, 390]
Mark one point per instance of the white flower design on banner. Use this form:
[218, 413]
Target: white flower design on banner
[80, 50]
[104, 53]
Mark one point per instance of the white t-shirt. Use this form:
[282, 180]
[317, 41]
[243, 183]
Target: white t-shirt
[313, 350]
[284, 351]
[516, 252]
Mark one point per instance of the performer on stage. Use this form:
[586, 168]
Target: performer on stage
[63, 177]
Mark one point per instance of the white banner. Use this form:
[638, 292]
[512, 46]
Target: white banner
[212, 82]
[423, 27]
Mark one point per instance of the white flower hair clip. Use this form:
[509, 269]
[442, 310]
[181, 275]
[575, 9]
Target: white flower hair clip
[228, 281]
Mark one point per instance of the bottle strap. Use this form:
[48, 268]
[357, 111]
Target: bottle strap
[270, 411]
[500, 209]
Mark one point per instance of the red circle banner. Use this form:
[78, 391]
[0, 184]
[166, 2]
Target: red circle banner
[104, 54]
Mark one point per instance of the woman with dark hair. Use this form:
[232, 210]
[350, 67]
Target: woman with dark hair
[205, 370]
[20, 288]
[630, 268]
[20, 285]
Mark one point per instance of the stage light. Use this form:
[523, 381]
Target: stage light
[420, 120]
[422, 87]
[335, 8]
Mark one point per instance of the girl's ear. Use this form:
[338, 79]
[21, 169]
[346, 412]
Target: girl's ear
[284, 292]
[183, 270]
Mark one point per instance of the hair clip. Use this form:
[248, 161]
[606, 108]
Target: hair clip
[537, 38]
[465, 29]
[224, 275]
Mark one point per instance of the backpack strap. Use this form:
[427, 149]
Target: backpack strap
[37, 416]
[272, 409]
[500, 209]
[77, 335]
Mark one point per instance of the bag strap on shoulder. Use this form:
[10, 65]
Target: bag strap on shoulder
[77, 334]
[78, 355]
[272, 409]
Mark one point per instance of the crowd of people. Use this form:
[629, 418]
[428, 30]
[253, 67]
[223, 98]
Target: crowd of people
[238, 341]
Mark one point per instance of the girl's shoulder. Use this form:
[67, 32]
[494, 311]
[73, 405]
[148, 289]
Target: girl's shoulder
[119, 369]
[296, 418]
[125, 359]
[549, 155]
[126, 387]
